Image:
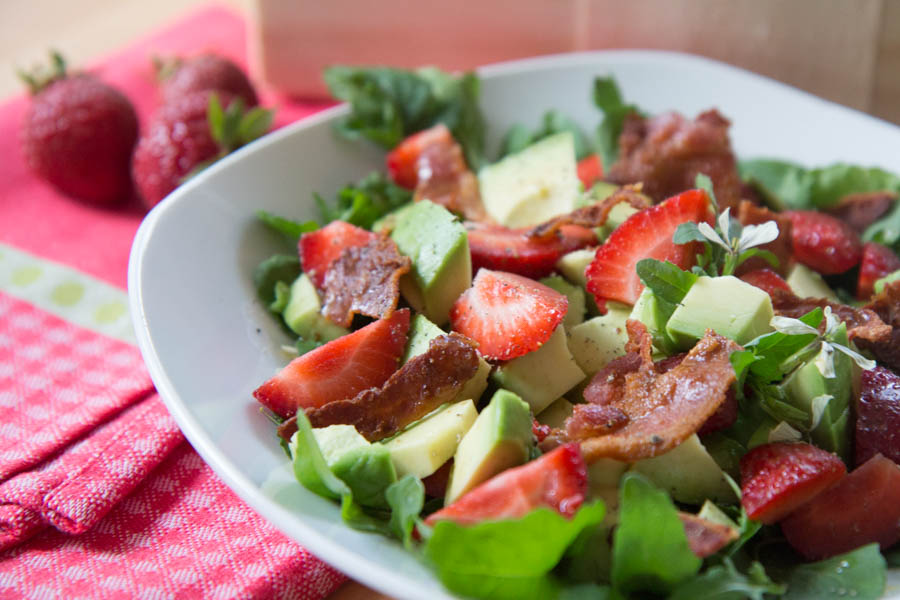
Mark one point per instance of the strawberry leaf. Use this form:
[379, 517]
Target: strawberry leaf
[216, 117]
[254, 124]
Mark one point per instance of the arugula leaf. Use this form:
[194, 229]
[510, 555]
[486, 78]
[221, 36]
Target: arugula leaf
[608, 99]
[588, 558]
[519, 137]
[588, 591]
[886, 230]
[280, 268]
[725, 582]
[292, 229]
[365, 202]
[650, 548]
[390, 104]
[508, 558]
[667, 281]
[858, 574]
[773, 354]
[406, 498]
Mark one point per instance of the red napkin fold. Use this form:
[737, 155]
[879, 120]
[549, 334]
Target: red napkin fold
[100, 496]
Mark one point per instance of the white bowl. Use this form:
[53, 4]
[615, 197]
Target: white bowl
[208, 342]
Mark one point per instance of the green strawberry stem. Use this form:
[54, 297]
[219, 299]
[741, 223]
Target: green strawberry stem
[40, 76]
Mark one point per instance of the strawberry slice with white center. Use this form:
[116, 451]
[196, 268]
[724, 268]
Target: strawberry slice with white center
[646, 234]
[507, 314]
[318, 249]
[340, 369]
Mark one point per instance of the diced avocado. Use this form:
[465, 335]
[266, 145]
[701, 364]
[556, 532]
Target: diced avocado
[423, 448]
[366, 468]
[688, 473]
[387, 223]
[556, 414]
[617, 215]
[806, 283]
[879, 284]
[421, 332]
[806, 389]
[303, 313]
[534, 185]
[603, 484]
[714, 514]
[647, 311]
[576, 296]
[727, 305]
[541, 376]
[437, 244]
[573, 264]
[499, 439]
[601, 190]
[599, 340]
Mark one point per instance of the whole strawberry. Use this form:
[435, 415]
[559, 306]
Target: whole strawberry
[205, 72]
[189, 134]
[79, 134]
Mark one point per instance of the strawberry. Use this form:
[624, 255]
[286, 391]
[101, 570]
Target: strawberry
[590, 170]
[557, 480]
[878, 415]
[780, 477]
[318, 249]
[861, 508]
[403, 161]
[203, 73]
[507, 314]
[189, 134]
[766, 280]
[503, 249]
[876, 262]
[78, 135]
[339, 369]
[646, 234]
[823, 242]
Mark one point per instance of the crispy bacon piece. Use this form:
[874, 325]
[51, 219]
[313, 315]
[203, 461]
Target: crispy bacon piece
[364, 280]
[659, 410]
[887, 306]
[444, 178]
[666, 152]
[861, 210]
[594, 215]
[863, 324]
[704, 536]
[781, 247]
[420, 386]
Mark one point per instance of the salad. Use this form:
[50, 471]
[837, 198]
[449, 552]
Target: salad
[615, 365]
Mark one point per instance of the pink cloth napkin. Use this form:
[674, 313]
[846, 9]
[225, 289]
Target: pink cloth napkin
[100, 495]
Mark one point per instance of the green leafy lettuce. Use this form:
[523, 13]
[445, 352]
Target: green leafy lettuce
[608, 99]
[520, 137]
[387, 105]
[364, 203]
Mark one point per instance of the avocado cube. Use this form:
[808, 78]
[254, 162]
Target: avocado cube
[424, 447]
[534, 185]
[573, 265]
[499, 439]
[879, 284]
[806, 283]
[421, 332]
[730, 307]
[556, 414]
[437, 244]
[543, 375]
[575, 295]
[303, 313]
[366, 468]
[599, 340]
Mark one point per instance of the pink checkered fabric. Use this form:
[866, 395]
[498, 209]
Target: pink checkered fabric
[180, 534]
[57, 382]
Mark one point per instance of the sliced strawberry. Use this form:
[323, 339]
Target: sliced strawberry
[319, 248]
[646, 234]
[539, 430]
[503, 249]
[767, 280]
[403, 161]
[340, 369]
[590, 170]
[780, 477]
[557, 480]
[823, 243]
[877, 261]
[862, 508]
[507, 314]
[878, 415]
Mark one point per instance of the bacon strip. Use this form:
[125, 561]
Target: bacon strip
[704, 536]
[861, 210]
[658, 410]
[863, 324]
[421, 385]
[364, 280]
[594, 215]
[887, 306]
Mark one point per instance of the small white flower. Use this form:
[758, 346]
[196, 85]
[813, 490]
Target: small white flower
[817, 409]
[710, 234]
[863, 362]
[725, 225]
[784, 433]
[789, 326]
[757, 235]
[825, 361]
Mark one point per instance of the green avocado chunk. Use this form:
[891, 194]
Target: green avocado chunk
[806, 283]
[576, 296]
[730, 307]
[543, 375]
[879, 284]
[599, 340]
[303, 313]
[437, 244]
[499, 439]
